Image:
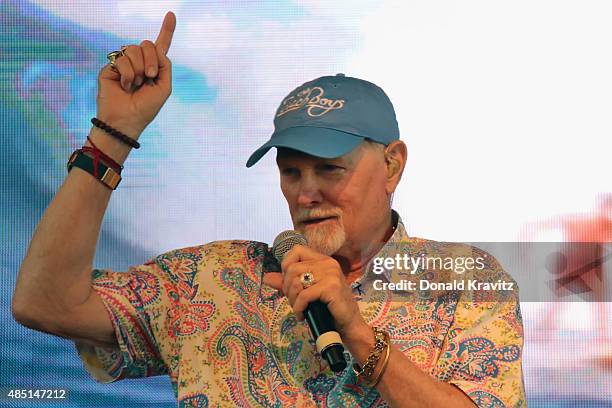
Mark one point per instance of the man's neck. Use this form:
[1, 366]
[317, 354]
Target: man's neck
[354, 260]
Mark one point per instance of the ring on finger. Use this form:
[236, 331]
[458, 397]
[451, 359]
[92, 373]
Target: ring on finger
[113, 55]
[307, 280]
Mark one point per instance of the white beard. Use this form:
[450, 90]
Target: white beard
[326, 239]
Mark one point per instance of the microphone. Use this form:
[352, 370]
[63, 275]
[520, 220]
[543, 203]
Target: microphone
[320, 321]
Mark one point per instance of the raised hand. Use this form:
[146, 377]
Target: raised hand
[131, 94]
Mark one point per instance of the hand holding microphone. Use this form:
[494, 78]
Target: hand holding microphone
[327, 304]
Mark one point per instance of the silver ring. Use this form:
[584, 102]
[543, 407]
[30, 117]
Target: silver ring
[307, 280]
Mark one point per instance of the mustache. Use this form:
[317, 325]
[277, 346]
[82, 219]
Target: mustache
[305, 214]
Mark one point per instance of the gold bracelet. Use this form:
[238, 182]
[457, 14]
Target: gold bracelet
[384, 366]
[381, 339]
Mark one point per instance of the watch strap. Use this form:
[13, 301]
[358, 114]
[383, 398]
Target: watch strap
[106, 175]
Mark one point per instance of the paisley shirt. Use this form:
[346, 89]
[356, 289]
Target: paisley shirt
[202, 316]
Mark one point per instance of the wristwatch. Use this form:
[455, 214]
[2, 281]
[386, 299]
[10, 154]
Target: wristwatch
[106, 175]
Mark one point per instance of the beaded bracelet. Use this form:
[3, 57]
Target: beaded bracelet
[115, 133]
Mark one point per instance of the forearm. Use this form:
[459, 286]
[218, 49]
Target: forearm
[56, 271]
[403, 384]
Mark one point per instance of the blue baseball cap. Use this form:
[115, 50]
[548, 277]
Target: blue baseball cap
[330, 116]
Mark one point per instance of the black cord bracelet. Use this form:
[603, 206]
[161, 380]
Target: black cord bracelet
[115, 133]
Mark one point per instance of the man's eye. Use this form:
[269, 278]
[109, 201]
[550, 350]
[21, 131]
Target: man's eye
[289, 171]
[330, 168]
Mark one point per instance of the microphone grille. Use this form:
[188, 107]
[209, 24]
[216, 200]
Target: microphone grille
[285, 241]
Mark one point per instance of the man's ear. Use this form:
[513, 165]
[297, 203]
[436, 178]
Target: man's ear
[396, 155]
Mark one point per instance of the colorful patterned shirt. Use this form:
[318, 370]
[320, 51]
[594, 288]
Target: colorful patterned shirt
[203, 316]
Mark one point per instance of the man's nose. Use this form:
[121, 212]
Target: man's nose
[309, 193]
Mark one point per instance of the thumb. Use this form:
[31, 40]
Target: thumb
[274, 280]
[105, 75]
[107, 72]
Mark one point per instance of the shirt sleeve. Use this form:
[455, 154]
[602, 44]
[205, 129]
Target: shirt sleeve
[142, 306]
[482, 353]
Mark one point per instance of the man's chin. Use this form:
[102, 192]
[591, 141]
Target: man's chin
[325, 241]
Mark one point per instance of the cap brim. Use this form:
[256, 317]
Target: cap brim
[315, 141]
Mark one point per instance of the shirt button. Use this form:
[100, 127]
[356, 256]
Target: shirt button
[357, 288]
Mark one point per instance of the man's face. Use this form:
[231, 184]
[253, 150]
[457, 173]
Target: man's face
[335, 203]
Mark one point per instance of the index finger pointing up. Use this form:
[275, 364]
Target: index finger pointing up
[164, 39]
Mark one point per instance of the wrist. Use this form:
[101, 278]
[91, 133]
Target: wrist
[359, 341]
[369, 371]
[112, 147]
[129, 128]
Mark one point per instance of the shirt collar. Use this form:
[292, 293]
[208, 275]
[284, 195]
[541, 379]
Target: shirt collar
[389, 250]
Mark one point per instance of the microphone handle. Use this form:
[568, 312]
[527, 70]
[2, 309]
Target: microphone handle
[329, 345]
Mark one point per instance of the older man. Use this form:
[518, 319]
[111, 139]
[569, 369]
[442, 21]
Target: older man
[221, 319]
